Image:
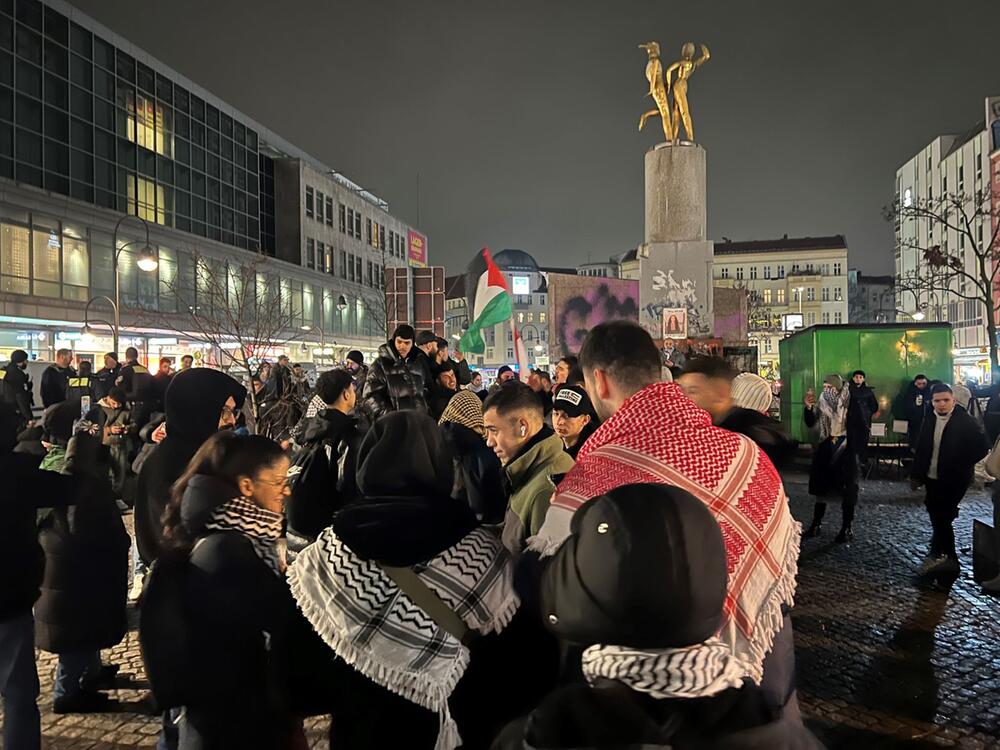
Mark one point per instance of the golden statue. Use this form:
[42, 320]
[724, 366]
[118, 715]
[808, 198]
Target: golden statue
[684, 67]
[657, 90]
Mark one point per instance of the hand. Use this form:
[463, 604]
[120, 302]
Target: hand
[159, 433]
[876, 415]
[458, 355]
[810, 398]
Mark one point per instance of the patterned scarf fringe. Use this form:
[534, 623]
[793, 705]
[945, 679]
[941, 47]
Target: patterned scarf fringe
[260, 526]
[416, 687]
[698, 671]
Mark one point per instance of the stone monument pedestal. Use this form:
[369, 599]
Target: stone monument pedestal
[675, 261]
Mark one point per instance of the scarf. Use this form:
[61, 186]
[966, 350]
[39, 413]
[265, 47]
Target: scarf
[373, 626]
[466, 409]
[698, 671]
[316, 405]
[261, 526]
[833, 412]
[658, 435]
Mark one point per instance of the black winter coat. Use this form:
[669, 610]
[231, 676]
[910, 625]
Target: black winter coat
[860, 410]
[17, 391]
[914, 409]
[137, 383]
[55, 380]
[478, 473]
[764, 431]
[394, 383]
[194, 404]
[340, 436]
[85, 588]
[105, 381]
[611, 715]
[26, 490]
[963, 445]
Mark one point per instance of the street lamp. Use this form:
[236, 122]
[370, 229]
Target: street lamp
[322, 336]
[146, 261]
[342, 303]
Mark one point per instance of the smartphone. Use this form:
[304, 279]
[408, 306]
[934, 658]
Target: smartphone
[84, 406]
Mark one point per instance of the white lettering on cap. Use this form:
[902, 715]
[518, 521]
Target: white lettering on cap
[565, 394]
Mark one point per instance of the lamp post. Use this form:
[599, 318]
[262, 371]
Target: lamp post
[322, 336]
[799, 290]
[341, 307]
[146, 261]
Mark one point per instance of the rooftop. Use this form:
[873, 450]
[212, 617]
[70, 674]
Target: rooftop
[784, 244]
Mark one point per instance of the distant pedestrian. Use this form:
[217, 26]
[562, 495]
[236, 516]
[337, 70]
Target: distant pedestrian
[396, 380]
[83, 384]
[139, 387]
[914, 408]
[55, 378]
[564, 367]
[835, 467]
[477, 386]
[161, 380]
[947, 450]
[862, 409]
[187, 362]
[107, 376]
[17, 386]
[444, 387]
[355, 364]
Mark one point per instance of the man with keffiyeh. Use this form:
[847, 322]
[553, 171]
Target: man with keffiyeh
[652, 433]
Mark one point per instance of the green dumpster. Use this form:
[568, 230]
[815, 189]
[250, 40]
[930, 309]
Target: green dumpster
[891, 354]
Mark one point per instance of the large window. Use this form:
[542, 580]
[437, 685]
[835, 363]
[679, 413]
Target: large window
[45, 261]
[15, 259]
[76, 268]
[148, 200]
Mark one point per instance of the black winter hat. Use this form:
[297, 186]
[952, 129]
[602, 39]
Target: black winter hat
[503, 369]
[18, 356]
[113, 355]
[425, 337]
[404, 331]
[645, 567]
[355, 356]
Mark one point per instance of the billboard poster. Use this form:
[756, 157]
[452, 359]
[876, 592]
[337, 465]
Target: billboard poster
[416, 245]
[675, 322]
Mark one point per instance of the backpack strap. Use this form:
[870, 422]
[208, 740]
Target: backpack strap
[446, 618]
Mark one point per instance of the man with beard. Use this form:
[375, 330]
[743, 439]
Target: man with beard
[651, 432]
[107, 375]
[355, 364]
[444, 387]
[17, 385]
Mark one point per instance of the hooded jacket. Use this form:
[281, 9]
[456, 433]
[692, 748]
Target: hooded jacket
[529, 478]
[478, 473]
[194, 404]
[83, 595]
[395, 383]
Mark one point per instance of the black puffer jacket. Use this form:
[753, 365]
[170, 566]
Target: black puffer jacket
[611, 715]
[82, 604]
[194, 404]
[395, 383]
[478, 473]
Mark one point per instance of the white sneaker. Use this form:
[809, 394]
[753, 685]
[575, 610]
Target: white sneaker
[136, 591]
[939, 564]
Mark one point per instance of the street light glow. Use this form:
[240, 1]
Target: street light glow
[918, 315]
[147, 259]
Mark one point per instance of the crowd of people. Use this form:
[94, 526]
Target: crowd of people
[600, 557]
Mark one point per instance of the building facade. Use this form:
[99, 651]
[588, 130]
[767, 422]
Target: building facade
[871, 299]
[948, 165]
[93, 128]
[792, 283]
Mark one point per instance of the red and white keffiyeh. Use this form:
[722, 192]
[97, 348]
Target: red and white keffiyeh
[658, 435]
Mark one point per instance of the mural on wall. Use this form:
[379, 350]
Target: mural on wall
[578, 303]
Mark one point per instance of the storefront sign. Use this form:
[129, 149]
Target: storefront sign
[416, 248]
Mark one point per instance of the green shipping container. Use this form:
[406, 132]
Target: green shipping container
[890, 354]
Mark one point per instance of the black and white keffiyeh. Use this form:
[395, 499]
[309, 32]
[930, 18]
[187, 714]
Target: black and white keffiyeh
[261, 526]
[699, 671]
[364, 617]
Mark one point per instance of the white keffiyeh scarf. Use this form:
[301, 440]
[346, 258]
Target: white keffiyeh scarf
[261, 526]
[373, 626]
[833, 412]
[697, 671]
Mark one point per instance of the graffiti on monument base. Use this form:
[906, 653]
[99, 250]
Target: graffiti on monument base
[672, 294]
[577, 304]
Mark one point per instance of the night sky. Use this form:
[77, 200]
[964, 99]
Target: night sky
[520, 117]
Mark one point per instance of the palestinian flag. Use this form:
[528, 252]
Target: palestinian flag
[488, 301]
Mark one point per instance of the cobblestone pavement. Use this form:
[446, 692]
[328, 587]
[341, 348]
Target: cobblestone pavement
[885, 660]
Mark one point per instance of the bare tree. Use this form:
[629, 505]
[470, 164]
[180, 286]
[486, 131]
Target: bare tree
[967, 269]
[243, 311]
[760, 315]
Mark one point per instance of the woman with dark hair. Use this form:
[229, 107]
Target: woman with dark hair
[418, 602]
[225, 512]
